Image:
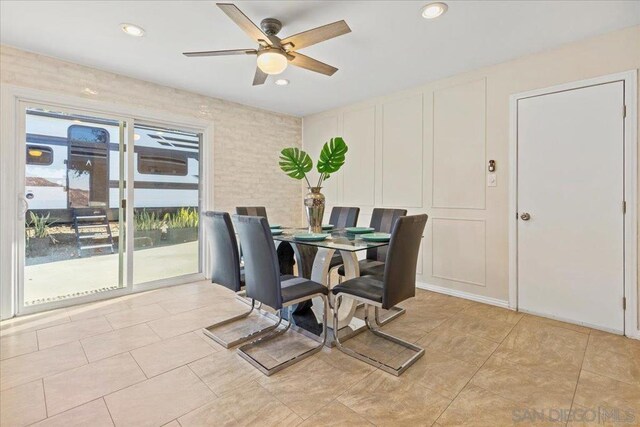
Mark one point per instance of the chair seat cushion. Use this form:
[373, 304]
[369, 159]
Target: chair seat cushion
[368, 267]
[367, 287]
[298, 287]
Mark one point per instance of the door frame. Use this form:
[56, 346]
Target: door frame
[10, 98]
[631, 320]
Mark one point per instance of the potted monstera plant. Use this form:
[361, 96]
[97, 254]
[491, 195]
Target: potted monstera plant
[297, 163]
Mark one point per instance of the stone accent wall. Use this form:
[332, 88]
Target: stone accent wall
[247, 140]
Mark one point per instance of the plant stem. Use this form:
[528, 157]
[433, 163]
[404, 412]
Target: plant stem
[308, 183]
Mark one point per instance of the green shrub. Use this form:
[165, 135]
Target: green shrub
[145, 221]
[184, 218]
[40, 225]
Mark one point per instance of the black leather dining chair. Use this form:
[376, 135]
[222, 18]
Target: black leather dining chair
[264, 284]
[252, 211]
[342, 217]
[382, 220]
[226, 271]
[397, 284]
[285, 251]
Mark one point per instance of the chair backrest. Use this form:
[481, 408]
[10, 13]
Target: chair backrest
[343, 217]
[382, 220]
[402, 257]
[261, 271]
[225, 259]
[252, 211]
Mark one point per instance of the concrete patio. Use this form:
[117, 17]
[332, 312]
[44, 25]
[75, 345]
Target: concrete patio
[81, 276]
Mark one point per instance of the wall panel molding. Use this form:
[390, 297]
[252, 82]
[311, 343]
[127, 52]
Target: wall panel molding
[359, 132]
[459, 146]
[402, 148]
[458, 250]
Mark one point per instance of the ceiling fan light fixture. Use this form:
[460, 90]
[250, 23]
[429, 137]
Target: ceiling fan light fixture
[434, 10]
[272, 61]
[132, 30]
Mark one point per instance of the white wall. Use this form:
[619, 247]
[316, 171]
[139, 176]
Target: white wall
[427, 149]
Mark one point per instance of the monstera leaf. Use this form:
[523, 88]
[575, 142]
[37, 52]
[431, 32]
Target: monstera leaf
[332, 156]
[295, 162]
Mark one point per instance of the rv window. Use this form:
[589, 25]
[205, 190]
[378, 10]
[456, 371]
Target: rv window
[39, 155]
[79, 133]
[163, 164]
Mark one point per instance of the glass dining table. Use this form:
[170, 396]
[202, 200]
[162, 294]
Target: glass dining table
[348, 245]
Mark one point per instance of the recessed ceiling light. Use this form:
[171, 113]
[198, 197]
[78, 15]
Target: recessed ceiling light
[132, 30]
[433, 10]
[282, 82]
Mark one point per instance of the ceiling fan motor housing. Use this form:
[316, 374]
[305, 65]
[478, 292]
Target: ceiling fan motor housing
[271, 26]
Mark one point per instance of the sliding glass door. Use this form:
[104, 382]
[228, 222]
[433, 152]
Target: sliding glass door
[89, 178]
[166, 203]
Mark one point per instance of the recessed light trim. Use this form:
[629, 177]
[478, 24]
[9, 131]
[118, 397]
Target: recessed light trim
[434, 10]
[132, 30]
[282, 82]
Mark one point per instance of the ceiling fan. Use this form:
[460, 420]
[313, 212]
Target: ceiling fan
[273, 52]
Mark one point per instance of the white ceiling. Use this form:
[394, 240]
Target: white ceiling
[391, 47]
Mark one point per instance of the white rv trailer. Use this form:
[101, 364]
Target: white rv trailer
[73, 162]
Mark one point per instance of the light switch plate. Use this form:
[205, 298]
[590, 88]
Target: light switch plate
[492, 180]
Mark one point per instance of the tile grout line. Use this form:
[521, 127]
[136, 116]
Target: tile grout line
[138, 365]
[44, 394]
[111, 392]
[124, 351]
[68, 410]
[476, 372]
[133, 385]
[216, 397]
[575, 389]
[108, 410]
[200, 378]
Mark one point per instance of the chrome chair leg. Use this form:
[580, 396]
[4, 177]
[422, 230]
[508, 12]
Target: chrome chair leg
[210, 330]
[242, 297]
[243, 350]
[395, 313]
[419, 352]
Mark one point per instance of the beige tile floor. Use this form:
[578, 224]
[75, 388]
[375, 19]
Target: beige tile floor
[143, 360]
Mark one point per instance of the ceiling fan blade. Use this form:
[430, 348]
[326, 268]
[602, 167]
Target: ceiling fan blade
[317, 35]
[303, 61]
[260, 77]
[222, 52]
[244, 22]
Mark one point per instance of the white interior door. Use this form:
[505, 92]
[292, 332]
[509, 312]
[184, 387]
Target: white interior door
[571, 186]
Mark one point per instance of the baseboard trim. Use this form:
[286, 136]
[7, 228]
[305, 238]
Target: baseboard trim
[633, 334]
[462, 294]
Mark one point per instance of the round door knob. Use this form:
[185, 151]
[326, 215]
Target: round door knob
[525, 216]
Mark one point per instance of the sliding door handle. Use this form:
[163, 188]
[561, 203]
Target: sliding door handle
[25, 207]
